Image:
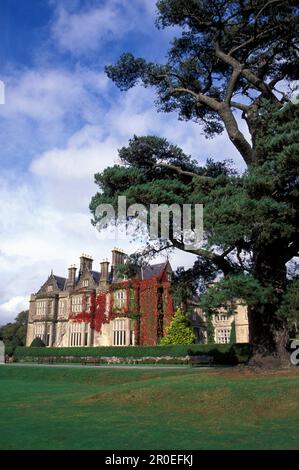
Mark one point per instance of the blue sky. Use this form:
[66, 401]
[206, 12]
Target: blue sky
[62, 121]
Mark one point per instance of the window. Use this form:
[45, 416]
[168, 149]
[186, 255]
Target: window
[77, 304]
[85, 283]
[50, 289]
[61, 308]
[41, 306]
[39, 331]
[223, 336]
[223, 317]
[120, 298]
[75, 334]
[48, 339]
[86, 335]
[119, 333]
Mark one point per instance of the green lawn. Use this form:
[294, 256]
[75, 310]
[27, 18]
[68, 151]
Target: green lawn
[77, 408]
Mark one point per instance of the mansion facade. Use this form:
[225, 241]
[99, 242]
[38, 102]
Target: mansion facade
[222, 324]
[97, 308]
[100, 308]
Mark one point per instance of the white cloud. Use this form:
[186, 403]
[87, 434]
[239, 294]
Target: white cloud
[46, 95]
[10, 309]
[88, 29]
[84, 154]
[15, 304]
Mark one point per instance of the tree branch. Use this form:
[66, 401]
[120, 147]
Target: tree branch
[246, 73]
[241, 106]
[232, 83]
[224, 265]
[252, 39]
[270, 2]
[234, 133]
[211, 102]
[177, 169]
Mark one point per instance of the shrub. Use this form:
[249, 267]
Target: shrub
[37, 343]
[179, 330]
[222, 353]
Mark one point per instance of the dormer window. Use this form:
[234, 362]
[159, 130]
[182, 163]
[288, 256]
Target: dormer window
[85, 283]
[50, 289]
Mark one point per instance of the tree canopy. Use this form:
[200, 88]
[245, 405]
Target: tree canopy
[14, 333]
[230, 55]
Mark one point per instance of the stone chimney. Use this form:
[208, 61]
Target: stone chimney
[71, 279]
[104, 275]
[118, 256]
[85, 263]
[104, 270]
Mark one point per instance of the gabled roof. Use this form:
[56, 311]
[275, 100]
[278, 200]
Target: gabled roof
[152, 270]
[52, 280]
[60, 281]
[96, 276]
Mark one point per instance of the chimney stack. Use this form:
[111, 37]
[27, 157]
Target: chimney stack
[104, 270]
[104, 279]
[71, 280]
[85, 263]
[118, 256]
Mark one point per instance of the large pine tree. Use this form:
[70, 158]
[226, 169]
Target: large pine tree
[231, 57]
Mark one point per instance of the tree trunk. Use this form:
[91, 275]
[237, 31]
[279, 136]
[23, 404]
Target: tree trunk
[235, 135]
[268, 337]
[268, 332]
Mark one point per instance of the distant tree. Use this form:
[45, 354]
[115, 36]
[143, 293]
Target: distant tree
[37, 343]
[179, 331]
[14, 333]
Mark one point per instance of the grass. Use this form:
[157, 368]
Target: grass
[117, 409]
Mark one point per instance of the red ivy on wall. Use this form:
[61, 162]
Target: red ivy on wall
[97, 312]
[143, 304]
[148, 311]
[100, 316]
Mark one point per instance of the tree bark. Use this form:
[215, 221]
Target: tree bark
[268, 331]
[235, 135]
[268, 338]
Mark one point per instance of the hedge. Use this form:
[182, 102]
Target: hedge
[222, 353]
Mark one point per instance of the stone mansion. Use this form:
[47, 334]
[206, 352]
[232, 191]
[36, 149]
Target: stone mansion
[97, 308]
